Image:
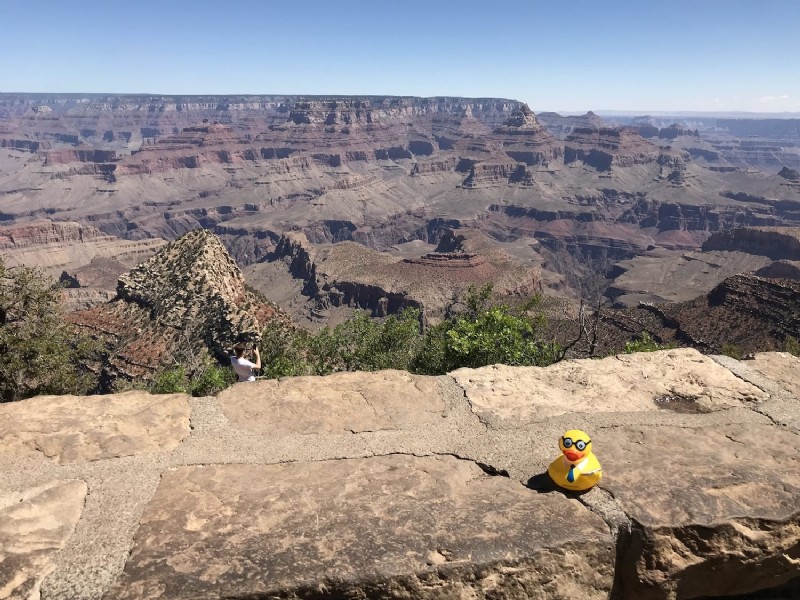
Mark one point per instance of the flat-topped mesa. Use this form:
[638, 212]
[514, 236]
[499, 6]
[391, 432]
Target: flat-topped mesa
[561, 126]
[605, 147]
[448, 260]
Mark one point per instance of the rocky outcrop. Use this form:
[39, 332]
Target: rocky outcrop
[790, 174]
[744, 313]
[605, 147]
[188, 299]
[348, 274]
[778, 243]
[781, 269]
[393, 485]
[526, 140]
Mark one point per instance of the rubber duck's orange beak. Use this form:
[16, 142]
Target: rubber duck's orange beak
[573, 455]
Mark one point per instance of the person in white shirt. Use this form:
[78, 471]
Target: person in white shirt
[245, 369]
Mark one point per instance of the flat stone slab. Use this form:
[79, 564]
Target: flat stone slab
[394, 526]
[716, 510]
[681, 379]
[34, 525]
[338, 403]
[781, 367]
[76, 428]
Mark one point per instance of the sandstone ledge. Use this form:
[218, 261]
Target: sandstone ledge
[392, 526]
[393, 485]
[74, 428]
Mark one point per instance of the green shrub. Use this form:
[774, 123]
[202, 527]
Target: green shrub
[645, 343]
[208, 379]
[791, 345]
[486, 337]
[731, 350]
[172, 380]
[211, 380]
[363, 344]
[40, 352]
[479, 335]
[284, 351]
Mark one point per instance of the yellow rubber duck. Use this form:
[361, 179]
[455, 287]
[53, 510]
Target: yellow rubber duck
[576, 468]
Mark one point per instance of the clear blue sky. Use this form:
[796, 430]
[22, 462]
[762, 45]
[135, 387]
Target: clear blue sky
[569, 55]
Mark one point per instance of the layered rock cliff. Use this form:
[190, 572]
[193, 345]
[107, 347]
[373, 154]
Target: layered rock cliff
[744, 313]
[379, 171]
[67, 246]
[84, 259]
[349, 275]
[778, 243]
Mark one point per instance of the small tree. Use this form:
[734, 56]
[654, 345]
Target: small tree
[40, 353]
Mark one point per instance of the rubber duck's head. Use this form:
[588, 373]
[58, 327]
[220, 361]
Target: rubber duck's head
[575, 444]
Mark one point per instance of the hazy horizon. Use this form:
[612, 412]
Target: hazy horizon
[537, 110]
[629, 57]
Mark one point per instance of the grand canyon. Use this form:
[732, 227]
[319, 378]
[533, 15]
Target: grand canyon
[630, 201]
[178, 225]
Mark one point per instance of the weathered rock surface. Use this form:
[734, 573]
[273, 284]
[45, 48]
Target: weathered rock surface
[34, 525]
[681, 379]
[75, 428]
[342, 403]
[390, 527]
[781, 367]
[391, 485]
[714, 511]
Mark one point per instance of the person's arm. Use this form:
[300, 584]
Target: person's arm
[258, 359]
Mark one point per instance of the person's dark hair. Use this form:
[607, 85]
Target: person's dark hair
[239, 349]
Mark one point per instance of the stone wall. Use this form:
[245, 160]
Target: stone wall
[391, 485]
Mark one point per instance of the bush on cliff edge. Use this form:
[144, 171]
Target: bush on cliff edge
[40, 353]
[481, 334]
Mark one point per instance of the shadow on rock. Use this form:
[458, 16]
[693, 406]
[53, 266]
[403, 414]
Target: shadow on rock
[542, 484]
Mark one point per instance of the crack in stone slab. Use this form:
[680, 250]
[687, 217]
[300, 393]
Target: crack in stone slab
[776, 391]
[472, 410]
